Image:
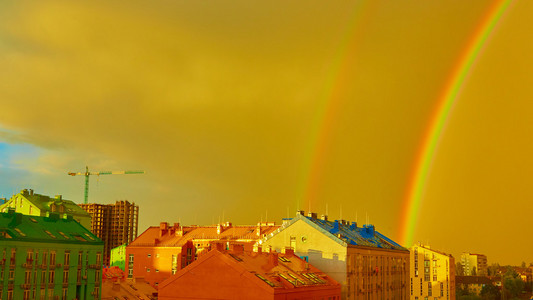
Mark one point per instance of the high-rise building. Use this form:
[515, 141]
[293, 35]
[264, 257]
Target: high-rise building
[29, 203]
[366, 263]
[474, 264]
[116, 224]
[432, 274]
[48, 258]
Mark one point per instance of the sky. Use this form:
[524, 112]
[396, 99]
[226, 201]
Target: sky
[247, 111]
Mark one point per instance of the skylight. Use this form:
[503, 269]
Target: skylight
[50, 234]
[20, 232]
[265, 280]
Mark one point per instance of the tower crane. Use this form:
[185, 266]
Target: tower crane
[87, 174]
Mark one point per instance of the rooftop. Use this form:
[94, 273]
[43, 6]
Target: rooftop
[345, 233]
[19, 227]
[177, 235]
[277, 270]
[45, 203]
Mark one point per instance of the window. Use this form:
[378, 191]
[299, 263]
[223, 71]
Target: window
[429, 289]
[65, 276]
[11, 274]
[43, 277]
[67, 258]
[149, 255]
[64, 294]
[26, 295]
[130, 266]
[27, 277]
[52, 257]
[51, 275]
[98, 258]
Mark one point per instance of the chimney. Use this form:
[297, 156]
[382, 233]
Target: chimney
[258, 229]
[324, 217]
[288, 251]
[312, 215]
[219, 228]
[353, 226]
[219, 246]
[237, 248]
[59, 197]
[260, 249]
[116, 286]
[300, 212]
[228, 224]
[31, 192]
[273, 259]
[163, 228]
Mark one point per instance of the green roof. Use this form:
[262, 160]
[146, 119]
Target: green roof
[51, 229]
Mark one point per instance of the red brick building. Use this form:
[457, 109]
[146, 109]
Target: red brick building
[236, 274]
[161, 251]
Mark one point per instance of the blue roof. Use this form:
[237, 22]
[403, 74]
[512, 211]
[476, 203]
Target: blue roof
[350, 234]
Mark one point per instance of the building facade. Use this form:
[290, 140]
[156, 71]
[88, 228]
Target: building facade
[237, 274]
[116, 224]
[118, 257]
[474, 264]
[48, 258]
[159, 252]
[367, 264]
[432, 274]
[29, 203]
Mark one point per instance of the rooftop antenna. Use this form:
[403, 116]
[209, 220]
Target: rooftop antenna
[341, 211]
[326, 209]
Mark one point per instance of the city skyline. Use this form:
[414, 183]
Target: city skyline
[239, 112]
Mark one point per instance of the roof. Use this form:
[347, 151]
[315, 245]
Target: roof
[472, 280]
[129, 289]
[52, 229]
[419, 245]
[44, 202]
[268, 270]
[348, 235]
[177, 236]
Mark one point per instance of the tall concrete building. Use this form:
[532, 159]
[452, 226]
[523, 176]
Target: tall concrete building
[432, 274]
[366, 263]
[29, 203]
[116, 224]
[474, 264]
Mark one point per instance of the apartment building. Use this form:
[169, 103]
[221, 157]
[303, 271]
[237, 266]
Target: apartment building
[432, 274]
[474, 264]
[366, 263]
[48, 258]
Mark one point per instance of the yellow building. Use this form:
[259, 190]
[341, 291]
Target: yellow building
[32, 204]
[474, 264]
[367, 264]
[432, 274]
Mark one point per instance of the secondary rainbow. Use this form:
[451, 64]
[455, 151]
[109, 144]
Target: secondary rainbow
[445, 102]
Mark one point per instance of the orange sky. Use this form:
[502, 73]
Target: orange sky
[220, 103]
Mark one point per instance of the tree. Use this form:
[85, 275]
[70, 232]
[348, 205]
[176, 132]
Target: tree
[512, 283]
[490, 292]
[474, 271]
[523, 264]
[459, 271]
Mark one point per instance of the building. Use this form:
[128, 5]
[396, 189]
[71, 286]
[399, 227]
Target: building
[163, 250]
[118, 257]
[116, 224]
[366, 263]
[29, 203]
[236, 274]
[473, 284]
[474, 264]
[48, 258]
[432, 274]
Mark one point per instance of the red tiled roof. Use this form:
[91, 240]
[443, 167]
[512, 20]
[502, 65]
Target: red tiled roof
[172, 237]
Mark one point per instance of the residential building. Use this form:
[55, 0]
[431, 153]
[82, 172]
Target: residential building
[29, 203]
[116, 224]
[48, 258]
[163, 250]
[238, 274]
[473, 284]
[432, 274]
[366, 263]
[118, 257]
[474, 264]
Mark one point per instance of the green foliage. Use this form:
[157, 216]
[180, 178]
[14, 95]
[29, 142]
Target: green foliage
[490, 292]
[469, 297]
[459, 271]
[512, 283]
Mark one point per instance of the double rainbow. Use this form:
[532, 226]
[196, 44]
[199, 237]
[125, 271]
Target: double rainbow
[445, 102]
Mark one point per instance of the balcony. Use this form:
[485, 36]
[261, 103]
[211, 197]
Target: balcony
[25, 286]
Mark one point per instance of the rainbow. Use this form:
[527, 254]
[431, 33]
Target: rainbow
[445, 102]
[328, 109]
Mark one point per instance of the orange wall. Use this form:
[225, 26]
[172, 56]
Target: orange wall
[159, 262]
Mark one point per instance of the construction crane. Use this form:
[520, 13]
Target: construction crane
[87, 174]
